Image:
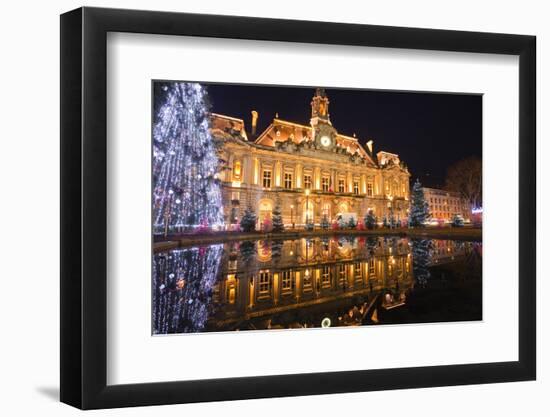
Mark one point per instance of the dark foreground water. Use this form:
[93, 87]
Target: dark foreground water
[316, 282]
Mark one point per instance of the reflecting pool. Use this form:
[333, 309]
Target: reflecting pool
[315, 282]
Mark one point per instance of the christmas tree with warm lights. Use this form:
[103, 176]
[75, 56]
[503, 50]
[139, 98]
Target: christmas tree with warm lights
[186, 190]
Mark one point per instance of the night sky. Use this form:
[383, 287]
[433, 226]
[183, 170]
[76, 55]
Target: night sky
[429, 131]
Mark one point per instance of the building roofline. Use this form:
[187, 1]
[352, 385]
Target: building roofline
[224, 116]
[441, 190]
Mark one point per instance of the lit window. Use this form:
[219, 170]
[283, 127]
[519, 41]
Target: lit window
[286, 281]
[341, 273]
[371, 267]
[358, 271]
[267, 179]
[325, 276]
[264, 283]
[307, 280]
[307, 181]
[326, 210]
[341, 186]
[288, 180]
[355, 187]
[369, 189]
[325, 184]
[237, 170]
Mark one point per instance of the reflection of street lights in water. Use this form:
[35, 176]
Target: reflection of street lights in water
[307, 208]
[391, 219]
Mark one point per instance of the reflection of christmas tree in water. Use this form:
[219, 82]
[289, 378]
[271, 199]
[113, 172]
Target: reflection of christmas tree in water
[186, 189]
[421, 260]
[248, 251]
[183, 282]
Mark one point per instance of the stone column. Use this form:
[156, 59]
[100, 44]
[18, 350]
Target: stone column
[298, 285]
[246, 168]
[278, 173]
[275, 287]
[317, 178]
[256, 171]
[299, 176]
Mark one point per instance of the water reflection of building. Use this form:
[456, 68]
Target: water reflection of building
[443, 251]
[308, 273]
[288, 160]
[293, 283]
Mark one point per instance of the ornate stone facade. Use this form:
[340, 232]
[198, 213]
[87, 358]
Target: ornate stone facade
[310, 171]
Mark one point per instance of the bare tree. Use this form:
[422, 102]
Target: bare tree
[464, 177]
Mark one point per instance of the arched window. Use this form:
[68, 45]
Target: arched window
[308, 211]
[326, 210]
[263, 250]
[343, 207]
[265, 209]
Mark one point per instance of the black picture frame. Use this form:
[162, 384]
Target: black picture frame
[84, 207]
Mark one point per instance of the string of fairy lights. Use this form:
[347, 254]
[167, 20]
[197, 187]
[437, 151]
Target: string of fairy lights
[186, 190]
[183, 286]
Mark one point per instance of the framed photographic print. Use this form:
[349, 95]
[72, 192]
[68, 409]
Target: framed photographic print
[257, 208]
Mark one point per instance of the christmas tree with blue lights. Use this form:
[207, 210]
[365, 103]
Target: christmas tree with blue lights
[419, 211]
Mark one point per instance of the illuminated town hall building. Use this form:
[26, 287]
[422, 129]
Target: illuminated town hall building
[309, 171]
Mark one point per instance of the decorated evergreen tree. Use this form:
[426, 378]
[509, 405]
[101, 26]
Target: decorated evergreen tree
[392, 221]
[277, 219]
[352, 224]
[325, 224]
[248, 220]
[309, 225]
[186, 190]
[370, 220]
[342, 224]
[385, 222]
[419, 211]
[457, 221]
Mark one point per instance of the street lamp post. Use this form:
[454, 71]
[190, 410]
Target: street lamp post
[292, 215]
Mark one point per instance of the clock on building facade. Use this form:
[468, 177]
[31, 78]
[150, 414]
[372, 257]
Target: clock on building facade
[324, 133]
